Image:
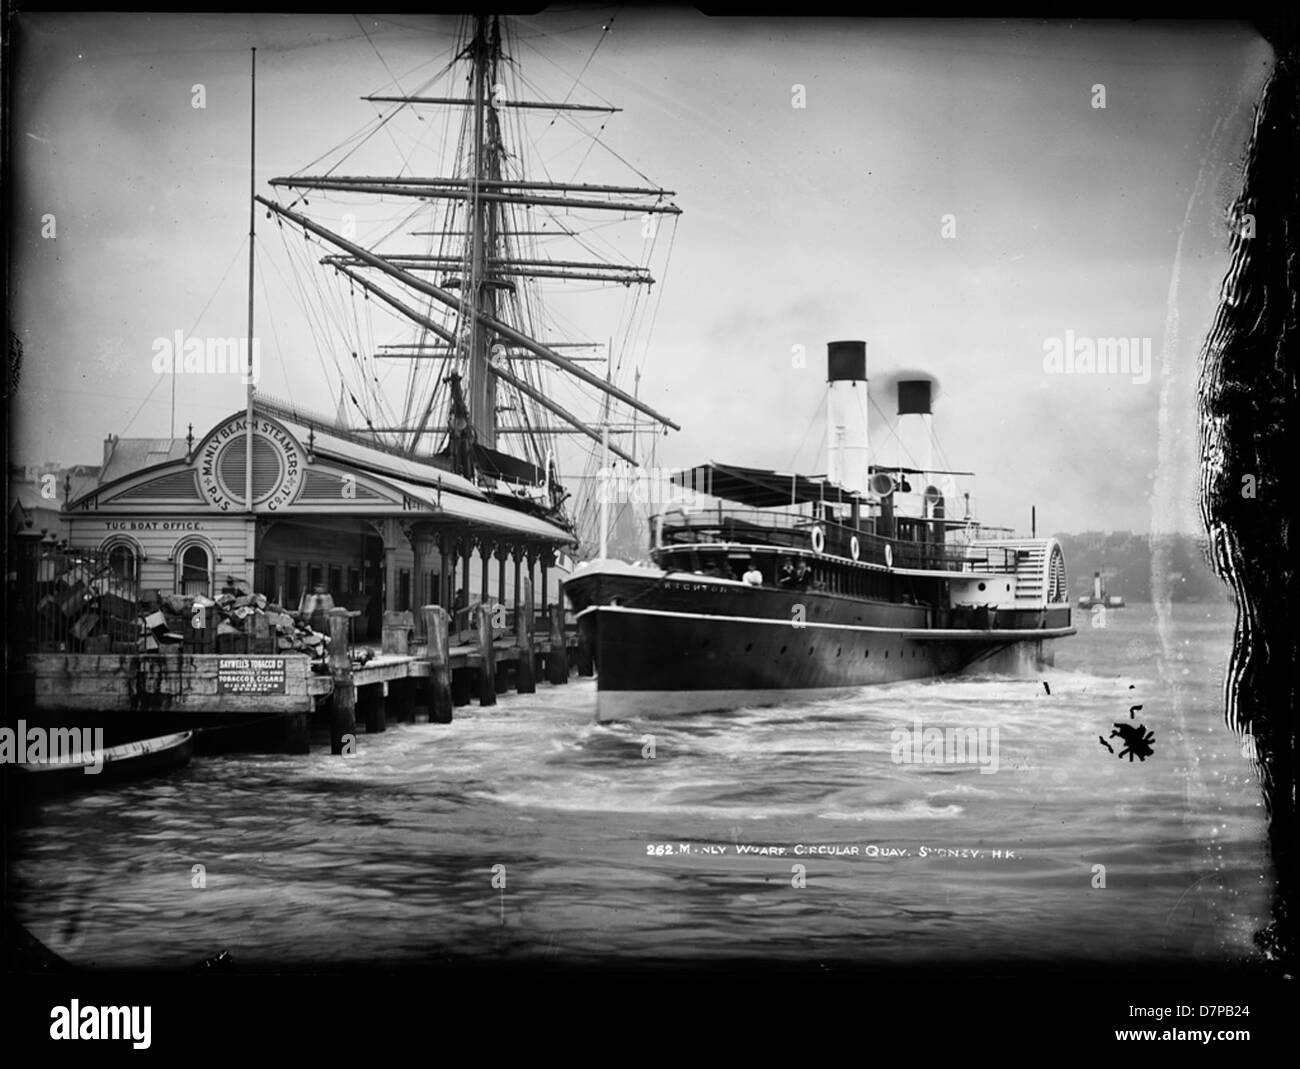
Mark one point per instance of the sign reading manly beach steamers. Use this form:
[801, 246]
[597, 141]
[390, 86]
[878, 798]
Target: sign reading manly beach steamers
[277, 465]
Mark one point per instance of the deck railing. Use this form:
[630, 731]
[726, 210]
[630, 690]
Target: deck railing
[792, 531]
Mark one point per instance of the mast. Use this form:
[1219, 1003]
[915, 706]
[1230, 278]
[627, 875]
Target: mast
[252, 231]
[482, 398]
[473, 297]
[604, 491]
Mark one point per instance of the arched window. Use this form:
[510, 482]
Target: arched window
[194, 570]
[122, 562]
[123, 556]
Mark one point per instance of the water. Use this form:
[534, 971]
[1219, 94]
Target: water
[388, 857]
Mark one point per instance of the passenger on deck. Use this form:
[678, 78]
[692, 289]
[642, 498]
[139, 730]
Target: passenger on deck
[753, 576]
[786, 577]
[802, 575]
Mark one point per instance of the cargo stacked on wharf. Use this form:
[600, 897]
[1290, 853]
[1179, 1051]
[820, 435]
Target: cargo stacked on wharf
[164, 602]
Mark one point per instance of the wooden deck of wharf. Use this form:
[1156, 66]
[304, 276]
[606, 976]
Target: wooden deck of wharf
[175, 690]
[438, 675]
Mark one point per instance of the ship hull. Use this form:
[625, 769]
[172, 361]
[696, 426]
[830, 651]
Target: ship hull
[665, 646]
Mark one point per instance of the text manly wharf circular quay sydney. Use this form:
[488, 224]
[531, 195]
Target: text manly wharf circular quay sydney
[867, 850]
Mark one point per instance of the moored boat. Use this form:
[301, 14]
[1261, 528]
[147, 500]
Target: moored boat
[99, 767]
[773, 585]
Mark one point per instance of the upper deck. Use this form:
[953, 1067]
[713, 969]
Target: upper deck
[934, 545]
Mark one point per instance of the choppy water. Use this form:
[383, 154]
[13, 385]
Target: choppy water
[387, 857]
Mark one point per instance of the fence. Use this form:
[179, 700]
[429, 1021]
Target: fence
[69, 600]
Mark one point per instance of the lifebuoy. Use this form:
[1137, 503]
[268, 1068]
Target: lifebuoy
[854, 548]
[889, 555]
[818, 539]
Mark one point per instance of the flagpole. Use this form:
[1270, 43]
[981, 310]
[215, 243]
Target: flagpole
[252, 226]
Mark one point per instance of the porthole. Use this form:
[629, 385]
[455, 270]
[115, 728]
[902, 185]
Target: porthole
[983, 586]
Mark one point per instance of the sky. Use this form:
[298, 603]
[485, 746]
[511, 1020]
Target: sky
[949, 192]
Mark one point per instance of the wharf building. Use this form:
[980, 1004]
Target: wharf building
[380, 531]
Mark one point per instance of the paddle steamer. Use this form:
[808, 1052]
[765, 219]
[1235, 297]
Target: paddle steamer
[773, 586]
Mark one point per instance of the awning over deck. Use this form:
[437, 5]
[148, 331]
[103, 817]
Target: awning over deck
[758, 487]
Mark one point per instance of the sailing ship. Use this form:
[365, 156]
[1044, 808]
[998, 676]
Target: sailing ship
[768, 586]
[485, 388]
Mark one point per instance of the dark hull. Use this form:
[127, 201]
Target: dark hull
[121, 764]
[678, 644]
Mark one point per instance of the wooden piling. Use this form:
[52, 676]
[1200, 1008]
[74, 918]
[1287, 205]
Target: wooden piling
[401, 694]
[376, 713]
[296, 738]
[557, 661]
[525, 673]
[487, 688]
[396, 634]
[437, 625]
[343, 700]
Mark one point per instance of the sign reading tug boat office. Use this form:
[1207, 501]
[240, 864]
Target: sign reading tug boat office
[277, 465]
[250, 675]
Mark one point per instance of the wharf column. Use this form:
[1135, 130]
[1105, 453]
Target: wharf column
[343, 700]
[467, 551]
[446, 570]
[526, 673]
[502, 553]
[392, 540]
[487, 687]
[422, 545]
[516, 554]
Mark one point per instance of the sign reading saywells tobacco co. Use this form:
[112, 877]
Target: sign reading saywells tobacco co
[250, 675]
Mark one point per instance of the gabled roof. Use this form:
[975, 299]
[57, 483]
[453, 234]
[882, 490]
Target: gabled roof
[390, 477]
[129, 455]
[419, 471]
